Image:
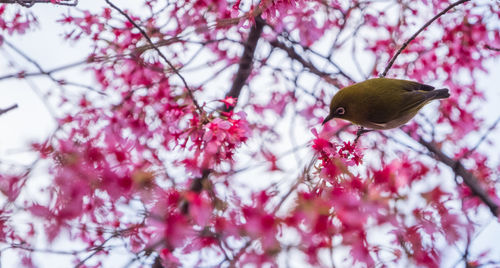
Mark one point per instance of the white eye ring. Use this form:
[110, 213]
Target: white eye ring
[340, 111]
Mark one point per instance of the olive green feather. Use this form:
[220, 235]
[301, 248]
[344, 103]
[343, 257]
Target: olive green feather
[382, 103]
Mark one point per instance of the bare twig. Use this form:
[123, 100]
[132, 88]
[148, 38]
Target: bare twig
[246, 61]
[488, 131]
[47, 73]
[48, 251]
[146, 36]
[361, 131]
[294, 55]
[328, 58]
[303, 176]
[98, 248]
[30, 3]
[95, 251]
[12, 107]
[492, 48]
[390, 137]
[469, 179]
[405, 44]
[237, 256]
[51, 71]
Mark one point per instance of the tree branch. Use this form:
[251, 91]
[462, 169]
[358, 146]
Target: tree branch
[2, 111]
[294, 55]
[469, 179]
[483, 138]
[145, 35]
[246, 61]
[236, 258]
[56, 69]
[30, 3]
[244, 70]
[328, 58]
[95, 250]
[42, 71]
[405, 44]
[492, 48]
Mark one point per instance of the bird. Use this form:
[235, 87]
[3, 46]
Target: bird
[382, 103]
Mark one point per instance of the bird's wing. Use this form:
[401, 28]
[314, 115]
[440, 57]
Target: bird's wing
[387, 106]
[382, 104]
[414, 86]
[389, 98]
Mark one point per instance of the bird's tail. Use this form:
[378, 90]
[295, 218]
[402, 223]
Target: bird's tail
[439, 94]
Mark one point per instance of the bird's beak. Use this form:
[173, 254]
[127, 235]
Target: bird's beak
[328, 118]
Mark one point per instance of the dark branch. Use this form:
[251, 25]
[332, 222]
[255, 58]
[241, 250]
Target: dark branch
[2, 111]
[294, 55]
[197, 185]
[246, 61]
[391, 62]
[328, 58]
[30, 3]
[361, 131]
[470, 180]
[492, 48]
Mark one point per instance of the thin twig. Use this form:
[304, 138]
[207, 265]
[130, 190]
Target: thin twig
[390, 137]
[95, 251]
[30, 3]
[405, 44]
[2, 111]
[99, 248]
[47, 251]
[488, 131]
[145, 35]
[305, 174]
[492, 48]
[361, 131]
[232, 263]
[47, 73]
[51, 71]
[294, 55]
[328, 58]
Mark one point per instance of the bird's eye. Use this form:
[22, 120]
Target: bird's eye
[340, 111]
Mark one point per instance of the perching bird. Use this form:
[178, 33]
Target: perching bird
[382, 103]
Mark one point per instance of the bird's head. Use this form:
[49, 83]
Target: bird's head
[339, 107]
